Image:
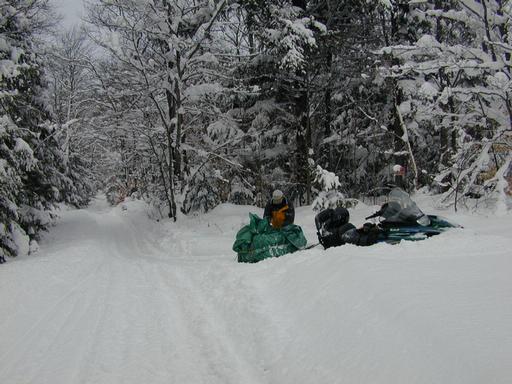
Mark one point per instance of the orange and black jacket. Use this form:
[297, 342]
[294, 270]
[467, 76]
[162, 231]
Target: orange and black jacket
[281, 214]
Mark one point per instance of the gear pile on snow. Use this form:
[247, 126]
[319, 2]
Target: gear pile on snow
[258, 240]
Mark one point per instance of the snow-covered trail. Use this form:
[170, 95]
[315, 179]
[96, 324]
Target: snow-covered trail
[113, 297]
[105, 304]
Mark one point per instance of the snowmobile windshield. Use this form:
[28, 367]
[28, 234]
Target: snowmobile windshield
[401, 209]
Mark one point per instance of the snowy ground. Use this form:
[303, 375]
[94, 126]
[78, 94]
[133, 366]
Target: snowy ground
[112, 297]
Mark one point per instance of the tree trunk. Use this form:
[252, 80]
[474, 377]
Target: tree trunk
[405, 138]
[171, 156]
[179, 119]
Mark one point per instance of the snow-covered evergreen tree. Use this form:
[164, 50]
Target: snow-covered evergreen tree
[329, 195]
[31, 172]
[274, 107]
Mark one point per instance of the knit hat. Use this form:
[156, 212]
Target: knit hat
[277, 196]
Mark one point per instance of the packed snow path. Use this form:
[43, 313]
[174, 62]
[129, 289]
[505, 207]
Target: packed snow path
[113, 297]
[105, 304]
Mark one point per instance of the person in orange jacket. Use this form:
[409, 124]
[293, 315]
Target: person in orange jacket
[279, 211]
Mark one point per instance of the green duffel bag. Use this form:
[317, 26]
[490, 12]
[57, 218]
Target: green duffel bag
[258, 240]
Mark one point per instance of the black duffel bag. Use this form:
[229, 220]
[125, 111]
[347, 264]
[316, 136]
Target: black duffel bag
[331, 224]
[368, 234]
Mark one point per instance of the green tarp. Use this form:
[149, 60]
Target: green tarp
[258, 240]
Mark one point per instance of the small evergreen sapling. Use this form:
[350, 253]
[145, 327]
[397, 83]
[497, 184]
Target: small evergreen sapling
[329, 195]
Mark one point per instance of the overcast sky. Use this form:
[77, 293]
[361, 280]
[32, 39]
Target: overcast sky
[71, 10]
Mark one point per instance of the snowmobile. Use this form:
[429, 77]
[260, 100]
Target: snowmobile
[399, 219]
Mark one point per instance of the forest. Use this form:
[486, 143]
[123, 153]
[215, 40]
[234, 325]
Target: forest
[188, 104]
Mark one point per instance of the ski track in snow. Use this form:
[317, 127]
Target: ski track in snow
[113, 297]
[119, 311]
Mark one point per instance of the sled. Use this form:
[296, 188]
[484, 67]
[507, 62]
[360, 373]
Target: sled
[258, 240]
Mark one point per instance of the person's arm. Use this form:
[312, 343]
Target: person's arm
[267, 213]
[289, 214]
